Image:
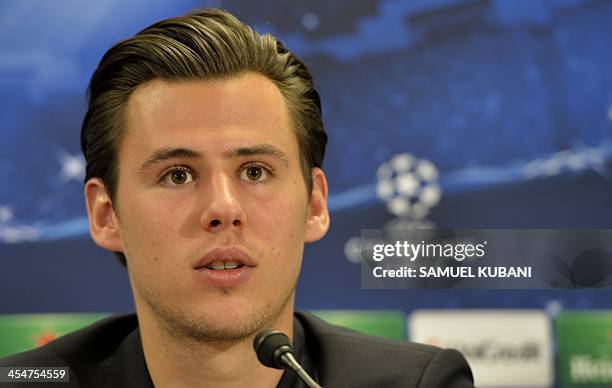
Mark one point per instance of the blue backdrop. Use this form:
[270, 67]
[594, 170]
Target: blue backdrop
[509, 101]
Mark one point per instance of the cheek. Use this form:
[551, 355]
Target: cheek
[150, 226]
[279, 220]
[282, 206]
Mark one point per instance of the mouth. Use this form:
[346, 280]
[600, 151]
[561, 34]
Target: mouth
[225, 267]
[225, 259]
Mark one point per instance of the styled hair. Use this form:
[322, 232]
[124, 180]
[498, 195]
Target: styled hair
[208, 44]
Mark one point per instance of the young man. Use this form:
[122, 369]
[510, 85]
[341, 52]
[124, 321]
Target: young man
[204, 145]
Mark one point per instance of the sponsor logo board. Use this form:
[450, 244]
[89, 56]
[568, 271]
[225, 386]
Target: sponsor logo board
[584, 342]
[503, 347]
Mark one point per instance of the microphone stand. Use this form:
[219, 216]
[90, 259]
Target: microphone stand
[289, 361]
[273, 350]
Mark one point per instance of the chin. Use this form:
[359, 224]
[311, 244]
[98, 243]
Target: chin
[226, 319]
[223, 326]
[222, 316]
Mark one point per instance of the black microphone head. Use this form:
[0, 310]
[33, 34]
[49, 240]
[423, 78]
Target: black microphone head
[270, 346]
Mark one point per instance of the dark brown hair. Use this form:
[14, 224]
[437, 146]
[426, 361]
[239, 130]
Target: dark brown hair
[202, 45]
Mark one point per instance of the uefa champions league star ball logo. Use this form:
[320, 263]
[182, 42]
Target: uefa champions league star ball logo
[409, 186]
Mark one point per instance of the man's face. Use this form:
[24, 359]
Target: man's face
[209, 178]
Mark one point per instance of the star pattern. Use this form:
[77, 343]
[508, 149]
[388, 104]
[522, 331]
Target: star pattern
[73, 167]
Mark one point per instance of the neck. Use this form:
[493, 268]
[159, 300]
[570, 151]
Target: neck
[177, 361]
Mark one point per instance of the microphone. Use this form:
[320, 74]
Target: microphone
[273, 349]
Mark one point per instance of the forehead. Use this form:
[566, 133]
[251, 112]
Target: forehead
[160, 113]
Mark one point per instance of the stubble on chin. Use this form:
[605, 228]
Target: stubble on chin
[182, 324]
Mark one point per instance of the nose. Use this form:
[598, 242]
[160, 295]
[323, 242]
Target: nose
[223, 208]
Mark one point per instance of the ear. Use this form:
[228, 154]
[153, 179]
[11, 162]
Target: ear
[104, 225]
[317, 223]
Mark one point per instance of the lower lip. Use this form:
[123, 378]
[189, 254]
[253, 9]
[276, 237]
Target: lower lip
[225, 278]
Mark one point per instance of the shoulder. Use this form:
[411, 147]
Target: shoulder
[347, 358]
[84, 350]
[92, 342]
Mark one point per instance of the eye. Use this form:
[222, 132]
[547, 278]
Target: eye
[255, 173]
[176, 176]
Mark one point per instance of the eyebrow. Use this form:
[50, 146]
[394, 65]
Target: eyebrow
[164, 154]
[258, 149]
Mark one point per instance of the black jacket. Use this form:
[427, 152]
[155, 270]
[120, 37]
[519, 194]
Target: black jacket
[108, 354]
